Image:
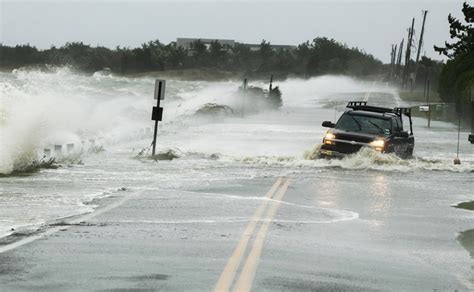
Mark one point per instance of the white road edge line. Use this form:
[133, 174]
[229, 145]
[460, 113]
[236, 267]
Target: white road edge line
[76, 220]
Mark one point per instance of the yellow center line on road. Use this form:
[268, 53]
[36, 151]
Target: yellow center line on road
[228, 274]
[247, 275]
[366, 97]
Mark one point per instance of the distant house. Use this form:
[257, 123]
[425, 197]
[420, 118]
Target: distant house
[256, 47]
[186, 44]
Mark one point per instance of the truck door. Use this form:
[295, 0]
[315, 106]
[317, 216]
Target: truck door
[399, 143]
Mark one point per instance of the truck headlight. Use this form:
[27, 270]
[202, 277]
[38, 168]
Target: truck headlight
[378, 144]
[328, 137]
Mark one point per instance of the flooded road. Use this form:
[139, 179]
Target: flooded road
[366, 222]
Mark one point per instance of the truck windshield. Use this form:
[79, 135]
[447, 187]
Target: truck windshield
[364, 124]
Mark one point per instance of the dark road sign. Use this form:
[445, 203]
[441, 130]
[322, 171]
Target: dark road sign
[157, 114]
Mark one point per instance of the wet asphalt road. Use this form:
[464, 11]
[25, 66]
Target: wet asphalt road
[380, 231]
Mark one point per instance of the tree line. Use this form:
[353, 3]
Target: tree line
[456, 79]
[320, 56]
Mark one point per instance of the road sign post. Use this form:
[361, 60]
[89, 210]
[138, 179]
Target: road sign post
[157, 112]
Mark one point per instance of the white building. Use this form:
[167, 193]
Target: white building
[186, 44]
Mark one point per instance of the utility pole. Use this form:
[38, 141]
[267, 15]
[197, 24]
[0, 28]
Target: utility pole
[399, 60]
[428, 102]
[457, 161]
[271, 83]
[420, 44]
[394, 57]
[407, 54]
[392, 61]
[243, 96]
[424, 88]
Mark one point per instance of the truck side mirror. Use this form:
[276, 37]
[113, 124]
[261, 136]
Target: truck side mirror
[328, 124]
[402, 134]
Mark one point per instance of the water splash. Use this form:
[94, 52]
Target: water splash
[365, 159]
[60, 106]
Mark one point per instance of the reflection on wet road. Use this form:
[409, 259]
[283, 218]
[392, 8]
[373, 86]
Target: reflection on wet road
[379, 201]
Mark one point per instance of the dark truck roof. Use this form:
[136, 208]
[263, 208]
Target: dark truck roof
[362, 106]
[384, 116]
[374, 111]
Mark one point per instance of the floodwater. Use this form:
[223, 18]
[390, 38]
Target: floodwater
[42, 109]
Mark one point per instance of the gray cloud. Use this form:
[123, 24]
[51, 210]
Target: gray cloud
[370, 25]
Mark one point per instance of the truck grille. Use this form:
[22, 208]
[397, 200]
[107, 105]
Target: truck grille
[349, 138]
[344, 148]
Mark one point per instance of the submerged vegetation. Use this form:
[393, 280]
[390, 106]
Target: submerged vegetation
[34, 166]
[466, 205]
[320, 56]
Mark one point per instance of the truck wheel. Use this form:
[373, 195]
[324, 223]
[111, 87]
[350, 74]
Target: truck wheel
[409, 153]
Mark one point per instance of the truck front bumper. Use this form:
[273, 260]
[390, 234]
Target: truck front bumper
[328, 154]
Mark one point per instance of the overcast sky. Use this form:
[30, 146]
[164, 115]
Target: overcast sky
[370, 25]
